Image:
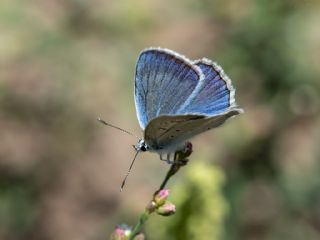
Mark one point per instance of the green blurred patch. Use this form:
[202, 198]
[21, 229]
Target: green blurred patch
[201, 207]
[17, 206]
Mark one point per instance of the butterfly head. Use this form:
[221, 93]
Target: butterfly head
[141, 146]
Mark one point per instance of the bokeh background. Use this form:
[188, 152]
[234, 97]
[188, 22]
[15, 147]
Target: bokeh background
[64, 63]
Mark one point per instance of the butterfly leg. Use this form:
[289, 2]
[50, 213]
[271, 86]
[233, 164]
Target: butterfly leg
[161, 158]
[167, 159]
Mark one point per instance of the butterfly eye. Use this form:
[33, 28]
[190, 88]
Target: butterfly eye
[143, 148]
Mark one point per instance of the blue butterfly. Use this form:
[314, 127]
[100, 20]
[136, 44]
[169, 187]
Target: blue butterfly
[177, 98]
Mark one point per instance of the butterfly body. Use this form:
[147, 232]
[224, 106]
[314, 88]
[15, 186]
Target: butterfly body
[177, 99]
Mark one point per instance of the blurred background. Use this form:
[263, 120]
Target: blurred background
[64, 63]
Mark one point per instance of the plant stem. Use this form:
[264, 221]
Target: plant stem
[180, 159]
[168, 176]
[143, 218]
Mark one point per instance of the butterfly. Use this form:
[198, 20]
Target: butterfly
[177, 99]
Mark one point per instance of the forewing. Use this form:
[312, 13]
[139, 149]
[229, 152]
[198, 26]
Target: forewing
[214, 95]
[166, 131]
[163, 82]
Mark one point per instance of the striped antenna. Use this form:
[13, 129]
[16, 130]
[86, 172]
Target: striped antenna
[125, 178]
[113, 126]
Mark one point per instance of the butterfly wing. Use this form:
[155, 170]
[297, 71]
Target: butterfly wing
[210, 105]
[167, 133]
[163, 82]
[214, 95]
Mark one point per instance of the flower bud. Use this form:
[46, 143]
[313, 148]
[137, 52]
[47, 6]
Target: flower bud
[181, 156]
[122, 232]
[161, 197]
[151, 207]
[167, 209]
